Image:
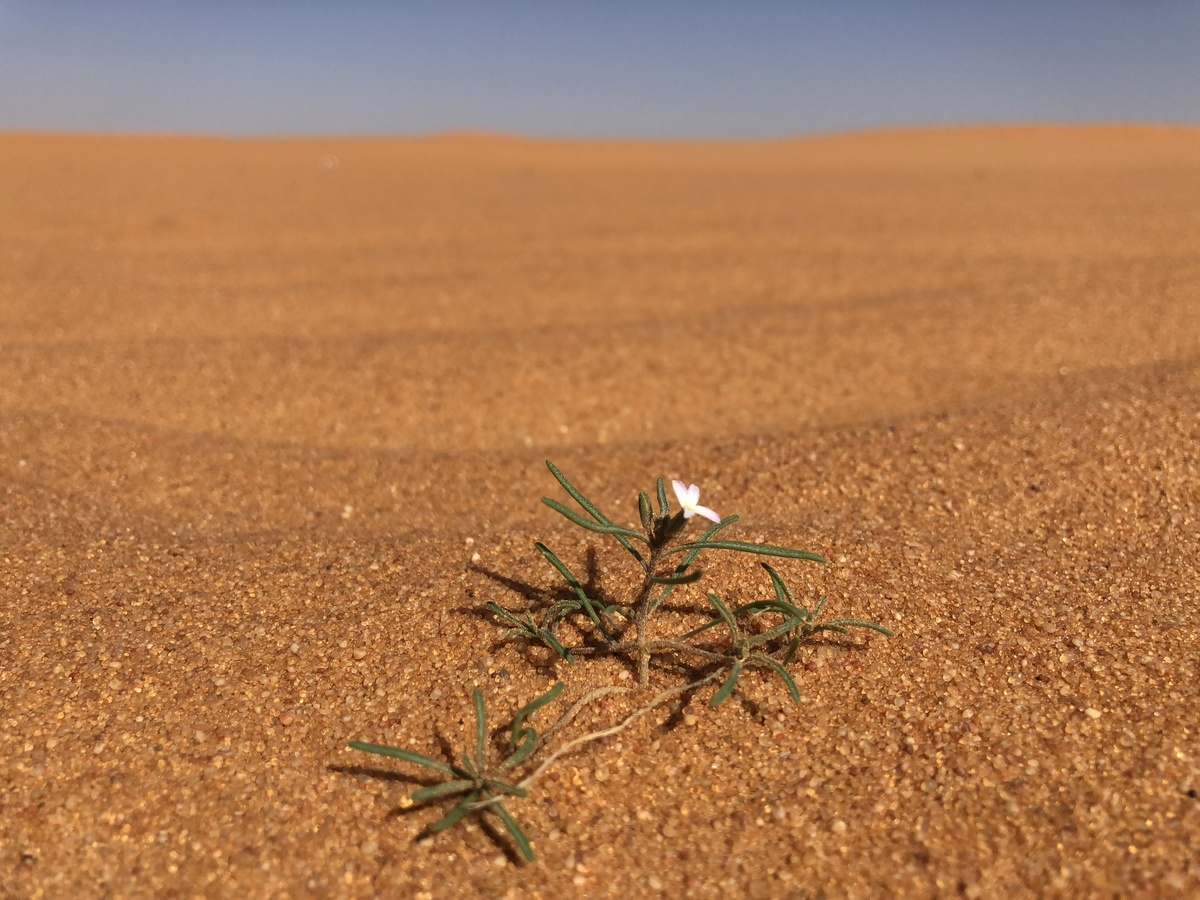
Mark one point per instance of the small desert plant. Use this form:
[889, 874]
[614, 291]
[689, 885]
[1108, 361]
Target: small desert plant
[481, 786]
[762, 633]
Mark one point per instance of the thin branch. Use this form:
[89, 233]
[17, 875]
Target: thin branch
[618, 728]
[680, 646]
[567, 717]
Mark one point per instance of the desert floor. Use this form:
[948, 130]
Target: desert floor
[273, 417]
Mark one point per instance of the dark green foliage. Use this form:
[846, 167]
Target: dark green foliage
[480, 786]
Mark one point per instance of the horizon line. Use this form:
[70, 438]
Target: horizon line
[468, 134]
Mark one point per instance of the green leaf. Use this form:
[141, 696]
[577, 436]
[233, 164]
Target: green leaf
[515, 830]
[747, 547]
[480, 731]
[469, 767]
[566, 573]
[406, 755]
[598, 527]
[556, 613]
[782, 673]
[463, 807]
[727, 688]
[684, 578]
[690, 557]
[523, 749]
[827, 626]
[505, 788]
[445, 789]
[661, 489]
[592, 509]
[782, 592]
[726, 615]
[777, 631]
[717, 526]
[861, 623]
[533, 706]
[792, 647]
[576, 494]
[511, 619]
[779, 606]
[707, 625]
[645, 512]
[553, 643]
[820, 605]
[523, 740]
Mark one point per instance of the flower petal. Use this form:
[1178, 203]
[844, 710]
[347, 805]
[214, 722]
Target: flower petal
[707, 513]
[680, 492]
[693, 495]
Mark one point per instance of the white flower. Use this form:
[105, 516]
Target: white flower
[689, 498]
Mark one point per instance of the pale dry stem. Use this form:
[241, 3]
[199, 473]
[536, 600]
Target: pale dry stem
[657, 701]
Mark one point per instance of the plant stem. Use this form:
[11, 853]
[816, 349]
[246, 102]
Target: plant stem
[567, 717]
[619, 727]
[642, 612]
[651, 647]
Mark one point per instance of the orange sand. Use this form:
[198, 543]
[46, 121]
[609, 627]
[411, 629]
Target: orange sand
[261, 402]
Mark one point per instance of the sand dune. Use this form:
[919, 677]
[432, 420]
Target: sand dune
[261, 402]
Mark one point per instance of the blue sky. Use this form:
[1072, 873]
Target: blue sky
[619, 68]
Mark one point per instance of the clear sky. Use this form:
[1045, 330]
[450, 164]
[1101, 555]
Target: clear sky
[626, 68]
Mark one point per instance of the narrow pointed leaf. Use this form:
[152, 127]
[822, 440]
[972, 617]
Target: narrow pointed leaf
[576, 494]
[645, 512]
[747, 547]
[782, 591]
[684, 578]
[570, 578]
[690, 557]
[827, 626]
[524, 740]
[445, 789]
[521, 753]
[726, 615]
[598, 527]
[717, 526]
[406, 755]
[782, 673]
[820, 605]
[777, 631]
[707, 625]
[862, 623]
[779, 606]
[661, 489]
[553, 643]
[792, 647]
[515, 830]
[480, 731]
[533, 706]
[504, 787]
[557, 613]
[592, 509]
[727, 688]
[468, 766]
[510, 618]
[463, 807]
